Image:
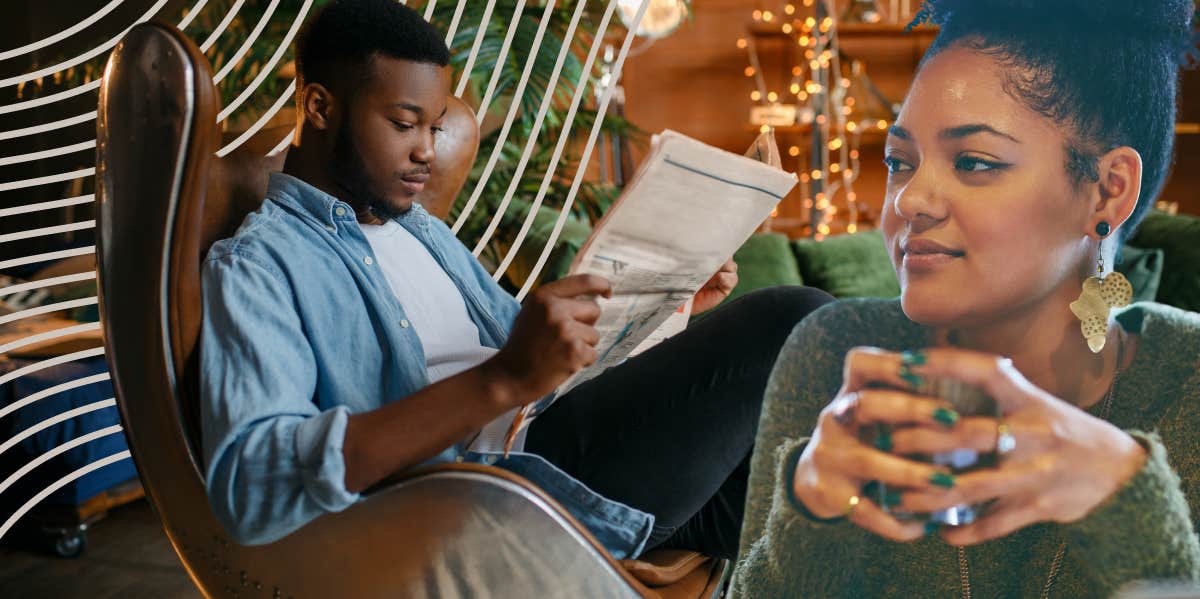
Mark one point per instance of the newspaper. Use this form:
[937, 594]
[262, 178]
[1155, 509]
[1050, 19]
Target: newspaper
[687, 210]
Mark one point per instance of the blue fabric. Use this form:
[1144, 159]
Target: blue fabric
[300, 330]
[47, 439]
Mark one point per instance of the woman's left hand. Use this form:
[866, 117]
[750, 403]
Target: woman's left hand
[1063, 464]
[717, 288]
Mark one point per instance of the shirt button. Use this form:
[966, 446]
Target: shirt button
[404, 323]
[340, 211]
[331, 229]
[368, 261]
[458, 459]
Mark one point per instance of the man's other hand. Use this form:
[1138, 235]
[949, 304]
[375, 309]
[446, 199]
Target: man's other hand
[552, 338]
[717, 288]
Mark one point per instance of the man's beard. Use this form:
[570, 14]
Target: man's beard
[350, 173]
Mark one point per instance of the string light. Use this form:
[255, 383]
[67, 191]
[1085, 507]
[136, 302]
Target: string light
[835, 167]
[772, 97]
[758, 15]
[795, 88]
[789, 9]
[754, 95]
[767, 16]
[749, 71]
[793, 151]
[741, 43]
[787, 27]
[851, 228]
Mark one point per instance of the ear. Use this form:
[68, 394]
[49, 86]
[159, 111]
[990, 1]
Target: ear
[318, 106]
[1119, 187]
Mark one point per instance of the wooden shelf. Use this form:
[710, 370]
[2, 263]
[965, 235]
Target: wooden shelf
[847, 30]
[1187, 128]
[806, 129]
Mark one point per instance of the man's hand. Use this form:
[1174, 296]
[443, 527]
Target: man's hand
[552, 338]
[717, 288]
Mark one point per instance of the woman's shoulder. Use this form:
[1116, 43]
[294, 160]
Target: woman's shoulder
[1168, 328]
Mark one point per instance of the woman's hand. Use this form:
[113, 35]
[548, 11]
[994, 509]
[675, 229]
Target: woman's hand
[717, 288]
[836, 464]
[1063, 462]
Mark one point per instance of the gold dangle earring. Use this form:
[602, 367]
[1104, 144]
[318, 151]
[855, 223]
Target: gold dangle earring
[1100, 295]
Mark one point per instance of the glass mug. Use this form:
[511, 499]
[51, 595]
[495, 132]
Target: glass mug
[967, 400]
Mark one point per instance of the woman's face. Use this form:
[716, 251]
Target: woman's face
[981, 218]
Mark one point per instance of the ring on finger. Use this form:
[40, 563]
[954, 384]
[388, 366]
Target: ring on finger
[851, 505]
[1005, 441]
[843, 412]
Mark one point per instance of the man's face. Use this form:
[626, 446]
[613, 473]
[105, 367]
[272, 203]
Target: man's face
[384, 151]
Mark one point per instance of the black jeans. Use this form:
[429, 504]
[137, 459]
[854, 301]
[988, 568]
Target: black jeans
[670, 432]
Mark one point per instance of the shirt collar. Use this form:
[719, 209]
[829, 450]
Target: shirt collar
[330, 211]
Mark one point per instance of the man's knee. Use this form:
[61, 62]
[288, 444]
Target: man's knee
[780, 307]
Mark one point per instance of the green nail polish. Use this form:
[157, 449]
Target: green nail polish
[913, 380]
[945, 416]
[931, 528]
[891, 499]
[913, 358]
[883, 440]
[942, 479]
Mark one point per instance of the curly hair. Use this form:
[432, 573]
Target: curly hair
[1106, 70]
[343, 36]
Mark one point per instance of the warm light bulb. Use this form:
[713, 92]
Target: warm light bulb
[822, 204]
[810, 22]
[836, 144]
[851, 197]
[832, 210]
[854, 154]
[764, 129]
[882, 124]
[807, 204]
[845, 82]
[796, 70]
[787, 27]
[835, 167]
[741, 44]
[851, 126]
[767, 16]
[823, 228]
[846, 110]
[851, 228]
[804, 40]
[758, 15]
[816, 175]
[802, 95]
[849, 172]
[789, 9]
[754, 95]
[850, 101]
[795, 88]
[793, 151]
[772, 97]
[819, 237]
[808, 2]
[749, 71]
[814, 65]
[821, 119]
[804, 178]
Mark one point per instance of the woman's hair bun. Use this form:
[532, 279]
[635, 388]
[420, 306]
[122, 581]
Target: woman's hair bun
[1168, 20]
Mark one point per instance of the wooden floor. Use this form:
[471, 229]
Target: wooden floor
[127, 556]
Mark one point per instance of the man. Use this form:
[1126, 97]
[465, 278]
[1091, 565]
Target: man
[348, 335]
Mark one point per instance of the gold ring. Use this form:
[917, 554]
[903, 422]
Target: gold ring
[1005, 441]
[851, 505]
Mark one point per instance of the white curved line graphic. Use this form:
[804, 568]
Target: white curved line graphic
[79, 147]
[245, 47]
[216, 33]
[601, 110]
[52, 281]
[429, 9]
[55, 361]
[61, 449]
[192, 14]
[59, 124]
[86, 56]
[56, 333]
[51, 205]
[280, 102]
[79, 226]
[491, 86]
[564, 135]
[55, 419]
[268, 68]
[62, 482]
[504, 130]
[64, 34]
[23, 183]
[62, 95]
[55, 390]
[47, 308]
[285, 142]
[458, 11]
[83, 251]
[479, 35]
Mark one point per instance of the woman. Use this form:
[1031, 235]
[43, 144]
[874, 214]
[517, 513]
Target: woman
[1032, 142]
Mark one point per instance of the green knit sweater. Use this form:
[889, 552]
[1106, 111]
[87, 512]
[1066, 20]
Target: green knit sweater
[1144, 531]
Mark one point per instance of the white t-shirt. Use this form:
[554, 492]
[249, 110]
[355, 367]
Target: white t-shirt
[435, 309]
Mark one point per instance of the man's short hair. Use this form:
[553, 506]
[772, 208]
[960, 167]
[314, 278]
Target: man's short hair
[344, 35]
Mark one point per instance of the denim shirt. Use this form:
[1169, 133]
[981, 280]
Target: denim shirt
[300, 330]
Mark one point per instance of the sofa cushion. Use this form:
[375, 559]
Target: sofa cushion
[1178, 236]
[1143, 267]
[855, 265]
[765, 260]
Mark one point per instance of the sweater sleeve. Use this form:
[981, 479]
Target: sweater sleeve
[781, 548]
[1143, 532]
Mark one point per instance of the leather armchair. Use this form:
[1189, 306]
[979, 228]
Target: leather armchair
[454, 531]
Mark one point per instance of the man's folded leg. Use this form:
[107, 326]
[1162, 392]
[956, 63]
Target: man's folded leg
[664, 431]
